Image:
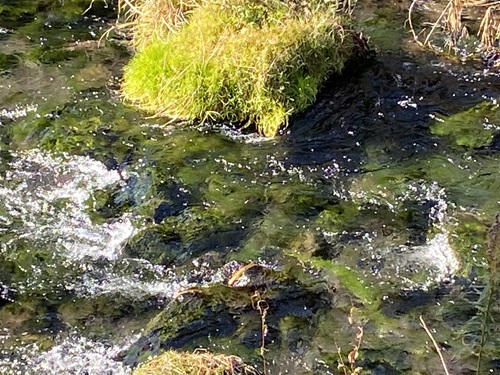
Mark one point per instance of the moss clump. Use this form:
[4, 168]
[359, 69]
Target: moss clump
[172, 362]
[472, 128]
[244, 61]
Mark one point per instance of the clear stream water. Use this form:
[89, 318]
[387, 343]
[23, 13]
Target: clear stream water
[118, 232]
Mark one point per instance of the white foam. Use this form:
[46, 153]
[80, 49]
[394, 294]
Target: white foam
[72, 355]
[438, 254]
[47, 194]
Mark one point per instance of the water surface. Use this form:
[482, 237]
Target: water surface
[119, 232]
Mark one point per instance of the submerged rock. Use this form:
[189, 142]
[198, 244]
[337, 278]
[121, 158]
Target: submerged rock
[254, 294]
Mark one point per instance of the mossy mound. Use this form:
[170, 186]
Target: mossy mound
[172, 362]
[473, 128]
[244, 61]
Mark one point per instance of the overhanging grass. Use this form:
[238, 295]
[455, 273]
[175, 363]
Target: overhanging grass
[244, 61]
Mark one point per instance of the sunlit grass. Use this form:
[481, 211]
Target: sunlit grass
[243, 61]
[200, 363]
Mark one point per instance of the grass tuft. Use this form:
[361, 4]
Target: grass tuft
[198, 363]
[243, 61]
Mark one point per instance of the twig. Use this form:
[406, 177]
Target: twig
[437, 22]
[443, 363]
[410, 23]
[262, 307]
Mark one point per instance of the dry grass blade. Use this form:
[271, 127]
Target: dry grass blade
[436, 346]
[239, 273]
[131, 6]
[157, 17]
[410, 22]
[487, 29]
[450, 20]
[454, 19]
[262, 307]
[197, 363]
[435, 25]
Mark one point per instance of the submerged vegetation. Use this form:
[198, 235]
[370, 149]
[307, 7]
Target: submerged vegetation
[314, 253]
[247, 62]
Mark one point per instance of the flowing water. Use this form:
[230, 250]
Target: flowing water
[119, 233]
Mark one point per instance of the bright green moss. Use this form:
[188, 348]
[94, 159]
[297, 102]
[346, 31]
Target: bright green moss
[240, 61]
[472, 128]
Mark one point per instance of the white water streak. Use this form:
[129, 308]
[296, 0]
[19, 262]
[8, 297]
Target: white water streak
[48, 194]
[72, 355]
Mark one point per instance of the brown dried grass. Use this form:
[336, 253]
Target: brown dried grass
[451, 20]
[158, 18]
[197, 363]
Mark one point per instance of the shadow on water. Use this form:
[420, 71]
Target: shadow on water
[384, 109]
[121, 235]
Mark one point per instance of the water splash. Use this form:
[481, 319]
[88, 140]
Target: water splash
[73, 354]
[44, 197]
[394, 258]
[17, 112]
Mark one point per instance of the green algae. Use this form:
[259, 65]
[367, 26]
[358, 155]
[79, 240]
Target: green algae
[275, 230]
[385, 27]
[278, 214]
[157, 245]
[7, 62]
[471, 128]
[352, 281]
[468, 236]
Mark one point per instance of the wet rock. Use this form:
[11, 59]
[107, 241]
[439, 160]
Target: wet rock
[221, 311]
[166, 209]
[219, 239]
[404, 302]
[179, 324]
[157, 245]
[382, 369]
[176, 200]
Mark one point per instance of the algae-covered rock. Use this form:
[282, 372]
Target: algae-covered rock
[472, 128]
[230, 311]
[242, 61]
